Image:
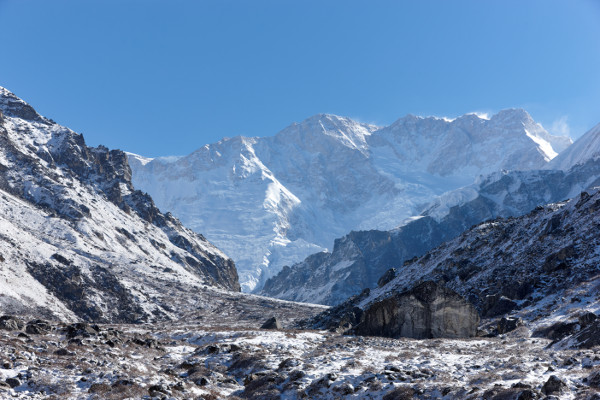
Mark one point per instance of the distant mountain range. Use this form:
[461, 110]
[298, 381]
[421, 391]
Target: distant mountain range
[272, 201]
[360, 258]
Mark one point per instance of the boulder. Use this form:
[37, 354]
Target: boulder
[82, 329]
[38, 327]
[495, 305]
[387, 277]
[594, 379]
[11, 323]
[586, 319]
[508, 324]
[13, 382]
[271, 323]
[428, 310]
[588, 337]
[554, 385]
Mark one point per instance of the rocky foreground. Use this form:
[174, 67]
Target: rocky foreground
[42, 360]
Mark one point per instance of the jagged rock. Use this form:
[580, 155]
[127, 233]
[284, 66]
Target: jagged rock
[11, 323]
[388, 276]
[155, 390]
[38, 327]
[82, 329]
[559, 260]
[508, 324]
[427, 311]
[594, 379]
[586, 338]
[528, 394]
[558, 331]
[554, 385]
[587, 318]
[64, 352]
[552, 225]
[497, 304]
[271, 323]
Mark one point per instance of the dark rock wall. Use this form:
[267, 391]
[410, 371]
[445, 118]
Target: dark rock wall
[425, 312]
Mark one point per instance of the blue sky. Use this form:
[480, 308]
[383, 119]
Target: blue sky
[166, 77]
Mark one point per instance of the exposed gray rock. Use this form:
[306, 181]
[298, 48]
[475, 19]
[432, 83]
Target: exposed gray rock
[11, 323]
[427, 311]
[271, 323]
[586, 338]
[13, 382]
[388, 276]
[508, 324]
[587, 318]
[594, 379]
[554, 385]
[38, 327]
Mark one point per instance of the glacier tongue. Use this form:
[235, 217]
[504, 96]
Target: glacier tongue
[272, 201]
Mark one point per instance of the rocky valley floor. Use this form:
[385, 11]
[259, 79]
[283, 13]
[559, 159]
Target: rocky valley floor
[79, 361]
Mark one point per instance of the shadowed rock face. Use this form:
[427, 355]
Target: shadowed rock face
[427, 311]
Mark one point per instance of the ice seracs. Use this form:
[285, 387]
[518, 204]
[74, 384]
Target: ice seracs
[272, 201]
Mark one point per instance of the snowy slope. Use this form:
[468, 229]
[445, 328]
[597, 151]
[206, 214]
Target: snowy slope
[272, 201]
[585, 148]
[76, 239]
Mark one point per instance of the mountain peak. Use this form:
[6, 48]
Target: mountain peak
[508, 114]
[584, 149]
[12, 106]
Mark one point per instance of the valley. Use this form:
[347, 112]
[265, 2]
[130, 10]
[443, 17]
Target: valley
[488, 291]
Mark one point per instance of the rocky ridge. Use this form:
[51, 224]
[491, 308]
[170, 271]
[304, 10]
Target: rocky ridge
[77, 241]
[538, 271]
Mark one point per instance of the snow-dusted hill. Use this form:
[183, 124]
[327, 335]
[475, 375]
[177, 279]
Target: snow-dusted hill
[542, 267]
[78, 242]
[272, 201]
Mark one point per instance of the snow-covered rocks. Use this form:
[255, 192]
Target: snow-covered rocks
[77, 241]
[199, 361]
[270, 202]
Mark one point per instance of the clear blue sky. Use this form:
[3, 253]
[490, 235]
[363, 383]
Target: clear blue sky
[166, 77]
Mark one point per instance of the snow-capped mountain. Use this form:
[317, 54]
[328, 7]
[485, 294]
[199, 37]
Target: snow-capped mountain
[360, 258]
[584, 149]
[272, 201]
[77, 241]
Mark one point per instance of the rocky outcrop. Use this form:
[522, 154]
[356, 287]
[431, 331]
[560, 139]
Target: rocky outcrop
[427, 311]
[271, 323]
